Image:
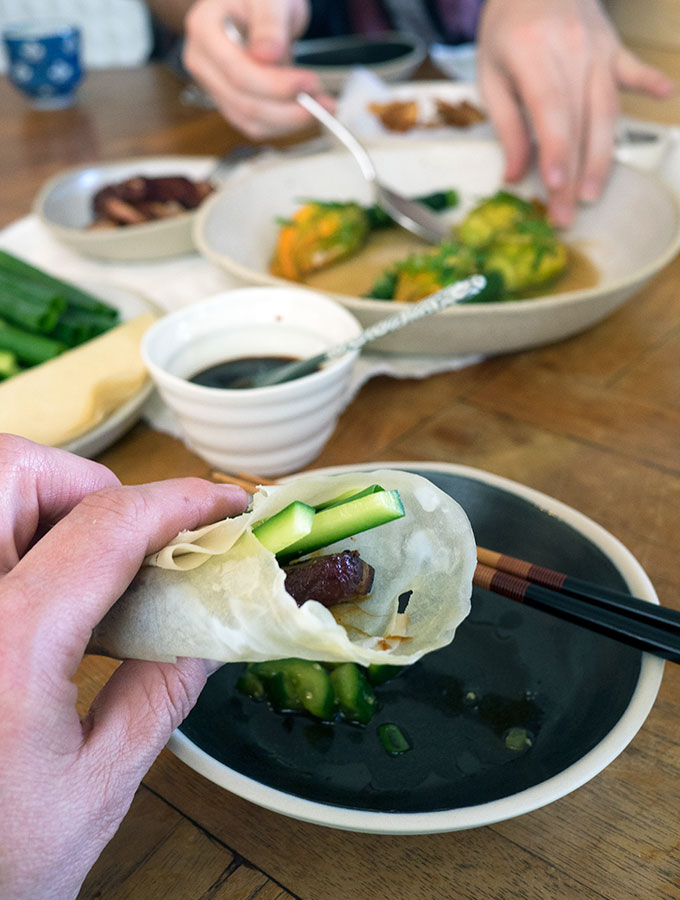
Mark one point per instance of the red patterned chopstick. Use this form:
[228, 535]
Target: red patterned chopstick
[577, 587]
[661, 637]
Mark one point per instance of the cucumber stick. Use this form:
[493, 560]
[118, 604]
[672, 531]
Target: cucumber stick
[350, 495]
[351, 517]
[286, 527]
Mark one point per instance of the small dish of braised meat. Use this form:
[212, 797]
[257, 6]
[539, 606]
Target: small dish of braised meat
[128, 210]
[143, 199]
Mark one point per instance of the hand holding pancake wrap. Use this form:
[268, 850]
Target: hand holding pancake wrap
[219, 594]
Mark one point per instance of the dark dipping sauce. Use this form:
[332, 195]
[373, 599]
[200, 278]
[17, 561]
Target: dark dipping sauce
[239, 373]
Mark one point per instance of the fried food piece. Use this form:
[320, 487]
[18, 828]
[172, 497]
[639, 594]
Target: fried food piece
[421, 274]
[495, 215]
[527, 257]
[397, 115]
[320, 233]
[460, 115]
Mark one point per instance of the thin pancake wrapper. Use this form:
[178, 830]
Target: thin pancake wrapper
[218, 593]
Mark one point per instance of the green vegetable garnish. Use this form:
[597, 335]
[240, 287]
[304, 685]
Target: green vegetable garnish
[30, 349]
[355, 696]
[392, 739]
[291, 685]
[73, 296]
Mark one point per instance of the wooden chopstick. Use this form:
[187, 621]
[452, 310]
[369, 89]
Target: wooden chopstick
[243, 479]
[659, 636]
[577, 587]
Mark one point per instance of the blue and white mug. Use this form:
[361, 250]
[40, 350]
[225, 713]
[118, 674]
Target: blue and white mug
[44, 61]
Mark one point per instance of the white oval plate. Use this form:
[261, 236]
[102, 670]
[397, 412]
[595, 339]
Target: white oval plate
[627, 250]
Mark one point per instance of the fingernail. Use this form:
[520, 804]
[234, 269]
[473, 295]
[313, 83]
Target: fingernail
[232, 488]
[554, 177]
[590, 190]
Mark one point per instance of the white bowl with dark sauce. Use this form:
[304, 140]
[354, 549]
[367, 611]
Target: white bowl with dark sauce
[200, 358]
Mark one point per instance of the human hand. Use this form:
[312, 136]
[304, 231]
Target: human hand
[66, 784]
[561, 63]
[253, 85]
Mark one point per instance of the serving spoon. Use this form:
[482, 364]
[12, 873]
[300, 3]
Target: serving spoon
[404, 211]
[458, 292]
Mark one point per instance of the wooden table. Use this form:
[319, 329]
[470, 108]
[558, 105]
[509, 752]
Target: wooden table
[594, 421]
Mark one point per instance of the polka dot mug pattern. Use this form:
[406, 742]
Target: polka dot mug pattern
[44, 61]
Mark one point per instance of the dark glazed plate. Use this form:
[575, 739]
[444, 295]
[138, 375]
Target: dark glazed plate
[578, 697]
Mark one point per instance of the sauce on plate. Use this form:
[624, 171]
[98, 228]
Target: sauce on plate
[356, 275]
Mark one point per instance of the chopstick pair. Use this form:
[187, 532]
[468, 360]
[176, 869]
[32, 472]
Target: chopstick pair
[644, 625]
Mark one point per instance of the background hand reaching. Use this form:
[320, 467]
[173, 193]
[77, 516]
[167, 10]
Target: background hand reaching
[554, 68]
[254, 85]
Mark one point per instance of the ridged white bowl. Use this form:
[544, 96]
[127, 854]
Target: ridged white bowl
[269, 430]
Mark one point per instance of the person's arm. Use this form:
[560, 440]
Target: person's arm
[553, 68]
[66, 783]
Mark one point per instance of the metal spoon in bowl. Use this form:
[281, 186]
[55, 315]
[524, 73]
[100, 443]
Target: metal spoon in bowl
[453, 293]
[409, 214]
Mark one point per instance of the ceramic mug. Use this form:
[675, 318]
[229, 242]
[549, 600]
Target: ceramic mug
[44, 61]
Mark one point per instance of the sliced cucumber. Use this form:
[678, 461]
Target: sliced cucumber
[355, 696]
[293, 685]
[250, 684]
[392, 739]
[348, 518]
[350, 495]
[380, 673]
[286, 527]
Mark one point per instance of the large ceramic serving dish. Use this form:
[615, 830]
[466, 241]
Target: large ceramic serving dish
[64, 206]
[578, 697]
[629, 235]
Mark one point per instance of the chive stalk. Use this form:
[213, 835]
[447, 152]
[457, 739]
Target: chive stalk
[30, 349]
[11, 265]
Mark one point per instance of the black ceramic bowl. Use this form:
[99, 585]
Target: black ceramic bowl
[578, 697]
[392, 56]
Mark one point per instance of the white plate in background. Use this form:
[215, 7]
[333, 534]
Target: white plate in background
[626, 250]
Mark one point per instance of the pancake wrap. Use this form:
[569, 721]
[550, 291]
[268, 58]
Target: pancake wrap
[217, 593]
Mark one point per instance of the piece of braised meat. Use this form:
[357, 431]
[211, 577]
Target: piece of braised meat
[141, 199]
[332, 579]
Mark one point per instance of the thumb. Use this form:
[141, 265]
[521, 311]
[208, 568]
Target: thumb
[134, 714]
